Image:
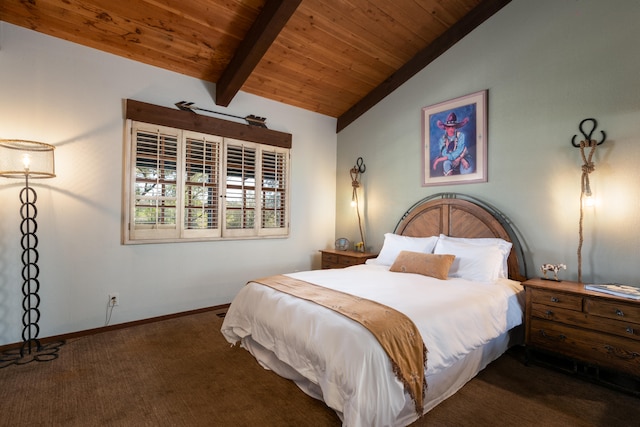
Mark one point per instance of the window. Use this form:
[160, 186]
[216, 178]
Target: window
[183, 185]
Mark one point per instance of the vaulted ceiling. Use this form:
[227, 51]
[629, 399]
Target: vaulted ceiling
[335, 57]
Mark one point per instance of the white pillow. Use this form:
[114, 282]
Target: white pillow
[394, 244]
[479, 263]
[503, 245]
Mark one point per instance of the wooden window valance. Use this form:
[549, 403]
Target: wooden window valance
[188, 120]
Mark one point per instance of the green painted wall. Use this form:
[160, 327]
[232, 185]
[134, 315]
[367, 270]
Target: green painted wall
[546, 65]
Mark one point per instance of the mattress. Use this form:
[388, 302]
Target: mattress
[463, 324]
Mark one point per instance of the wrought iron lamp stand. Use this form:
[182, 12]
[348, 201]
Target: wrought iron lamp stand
[32, 349]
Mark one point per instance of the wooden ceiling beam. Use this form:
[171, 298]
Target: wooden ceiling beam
[454, 34]
[261, 35]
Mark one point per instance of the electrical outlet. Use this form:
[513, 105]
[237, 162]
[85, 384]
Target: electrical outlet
[114, 299]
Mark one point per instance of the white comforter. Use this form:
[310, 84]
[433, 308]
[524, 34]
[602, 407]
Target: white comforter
[350, 368]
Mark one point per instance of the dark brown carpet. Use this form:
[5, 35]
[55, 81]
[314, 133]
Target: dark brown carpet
[181, 372]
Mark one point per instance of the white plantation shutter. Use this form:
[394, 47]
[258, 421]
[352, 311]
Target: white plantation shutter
[155, 182]
[202, 154]
[184, 185]
[256, 195]
[240, 188]
[274, 191]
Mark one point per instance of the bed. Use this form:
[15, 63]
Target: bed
[468, 313]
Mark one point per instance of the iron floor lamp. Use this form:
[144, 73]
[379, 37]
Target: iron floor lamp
[28, 160]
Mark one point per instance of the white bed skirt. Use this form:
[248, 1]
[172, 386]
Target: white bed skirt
[439, 386]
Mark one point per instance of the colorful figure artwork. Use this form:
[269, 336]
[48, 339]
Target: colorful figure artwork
[454, 138]
[452, 155]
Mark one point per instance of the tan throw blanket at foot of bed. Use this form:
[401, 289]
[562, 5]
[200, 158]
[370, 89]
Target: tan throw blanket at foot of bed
[395, 332]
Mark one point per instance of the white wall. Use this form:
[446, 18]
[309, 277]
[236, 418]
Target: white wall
[72, 97]
[547, 65]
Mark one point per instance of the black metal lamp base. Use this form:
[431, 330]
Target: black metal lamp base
[31, 351]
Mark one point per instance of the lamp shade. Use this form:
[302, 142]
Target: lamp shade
[19, 158]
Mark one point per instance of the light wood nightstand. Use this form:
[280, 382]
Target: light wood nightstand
[595, 330]
[332, 258]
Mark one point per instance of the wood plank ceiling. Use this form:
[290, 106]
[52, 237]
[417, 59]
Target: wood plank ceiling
[334, 57]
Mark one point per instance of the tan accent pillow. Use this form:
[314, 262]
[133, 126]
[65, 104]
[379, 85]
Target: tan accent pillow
[433, 265]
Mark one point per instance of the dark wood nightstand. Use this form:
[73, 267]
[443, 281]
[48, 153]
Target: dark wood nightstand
[332, 258]
[597, 331]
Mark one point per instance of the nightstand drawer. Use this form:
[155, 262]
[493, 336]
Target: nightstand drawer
[330, 258]
[346, 261]
[591, 347]
[341, 259]
[556, 299]
[618, 310]
[558, 314]
[583, 320]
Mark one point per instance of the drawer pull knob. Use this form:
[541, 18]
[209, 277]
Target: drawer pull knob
[560, 337]
[630, 330]
[554, 299]
[621, 354]
[549, 313]
[619, 312]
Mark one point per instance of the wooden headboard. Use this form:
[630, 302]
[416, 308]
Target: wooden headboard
[459, 215]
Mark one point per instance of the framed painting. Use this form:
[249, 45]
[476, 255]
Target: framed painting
[454, 141]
